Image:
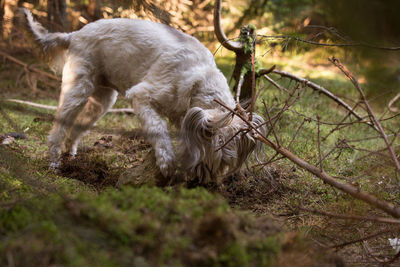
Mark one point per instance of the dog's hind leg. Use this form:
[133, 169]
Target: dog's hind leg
[97, 105]
[76, 88]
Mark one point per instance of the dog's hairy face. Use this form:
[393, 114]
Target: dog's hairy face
[207, 149]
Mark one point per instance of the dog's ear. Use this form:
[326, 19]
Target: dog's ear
[197, 129]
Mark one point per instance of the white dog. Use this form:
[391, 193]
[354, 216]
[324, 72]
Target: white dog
[165, 73]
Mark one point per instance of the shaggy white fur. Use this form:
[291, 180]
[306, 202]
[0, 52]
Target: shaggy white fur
[165, 73]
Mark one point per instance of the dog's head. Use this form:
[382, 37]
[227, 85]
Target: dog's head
[210, 145]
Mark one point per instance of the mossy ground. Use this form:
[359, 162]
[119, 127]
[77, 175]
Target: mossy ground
[84, 217]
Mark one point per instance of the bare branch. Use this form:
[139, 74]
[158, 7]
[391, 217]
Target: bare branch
[262, 72]
[337, 127]
[253, 84]
[230, 139]
[361, 239]
[319, 145]
[354, 191]
[353, 79]
[27, 67]
[48, 107]
[376, 258]
[394, 100]
[275, 83]
[352, 217]
[271, 124]
[320, 89]
[296, 133]
[230, 45]
[352, 44]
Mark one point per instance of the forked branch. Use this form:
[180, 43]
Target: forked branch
[228, 44]
[321, 90]
[371, 114]
[352, 190]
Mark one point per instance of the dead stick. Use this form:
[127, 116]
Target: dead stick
[349, 189]
[239, 88]
[296, 133]
[349, 75]
[271, 124]
[391, 102]
[253, 85]
[352, 217]
[277, 85]
[375, 257]
[232, 137]
[361, 239]
[319, 145]
[48, 107]
[26, 66]
[320, 89]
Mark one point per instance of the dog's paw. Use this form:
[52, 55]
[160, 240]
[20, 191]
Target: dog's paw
[55, 167]
[129, 93]
[167, 170]
[166, 162]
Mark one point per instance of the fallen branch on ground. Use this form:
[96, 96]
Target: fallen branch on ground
[352, 217]
[48, 107]
[319, 89]
[342, 245]
[374, 119]
[27, 67]
[394, 100]
[350, 44]
[352, 190]
[368, 250]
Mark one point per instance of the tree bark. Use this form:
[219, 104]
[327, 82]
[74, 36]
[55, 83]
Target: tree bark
[94, 10]
[57, 15]
[9, 7]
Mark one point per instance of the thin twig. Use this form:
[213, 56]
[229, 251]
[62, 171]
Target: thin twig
[230, 139]
[391, 102]
[376, 258]
[337, 127]
[49, 107]
[253, 84]
[27, 67]
[271, 124]
[320, 89]
[353, 79]
[239, 88]
[297, 39]
[361, 239]
[297, 131]
[275, 83]
[319, 145]
[352, 217]
[356, 192]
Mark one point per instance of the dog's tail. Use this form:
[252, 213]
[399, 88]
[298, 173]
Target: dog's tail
[53, 45]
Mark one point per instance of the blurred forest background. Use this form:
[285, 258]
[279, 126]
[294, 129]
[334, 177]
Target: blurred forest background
[371, 22]
[273, 213]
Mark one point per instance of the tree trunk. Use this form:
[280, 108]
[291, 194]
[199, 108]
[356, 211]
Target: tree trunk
[57, 15]
[94, 10]
[8, 9]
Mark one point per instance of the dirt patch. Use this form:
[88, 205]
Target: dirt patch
[252, 191]
[144, 172]
[91, 170]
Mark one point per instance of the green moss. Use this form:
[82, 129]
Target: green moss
[162, 226]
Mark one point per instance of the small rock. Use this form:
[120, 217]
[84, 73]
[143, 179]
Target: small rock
[16, 135]
[8, 140]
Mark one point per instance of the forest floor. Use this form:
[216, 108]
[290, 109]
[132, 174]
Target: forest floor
[111, 207]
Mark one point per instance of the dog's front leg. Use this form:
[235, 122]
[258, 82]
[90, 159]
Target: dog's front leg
[155, 129]
[156, 132]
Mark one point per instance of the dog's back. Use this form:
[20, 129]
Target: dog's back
[165, 73]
